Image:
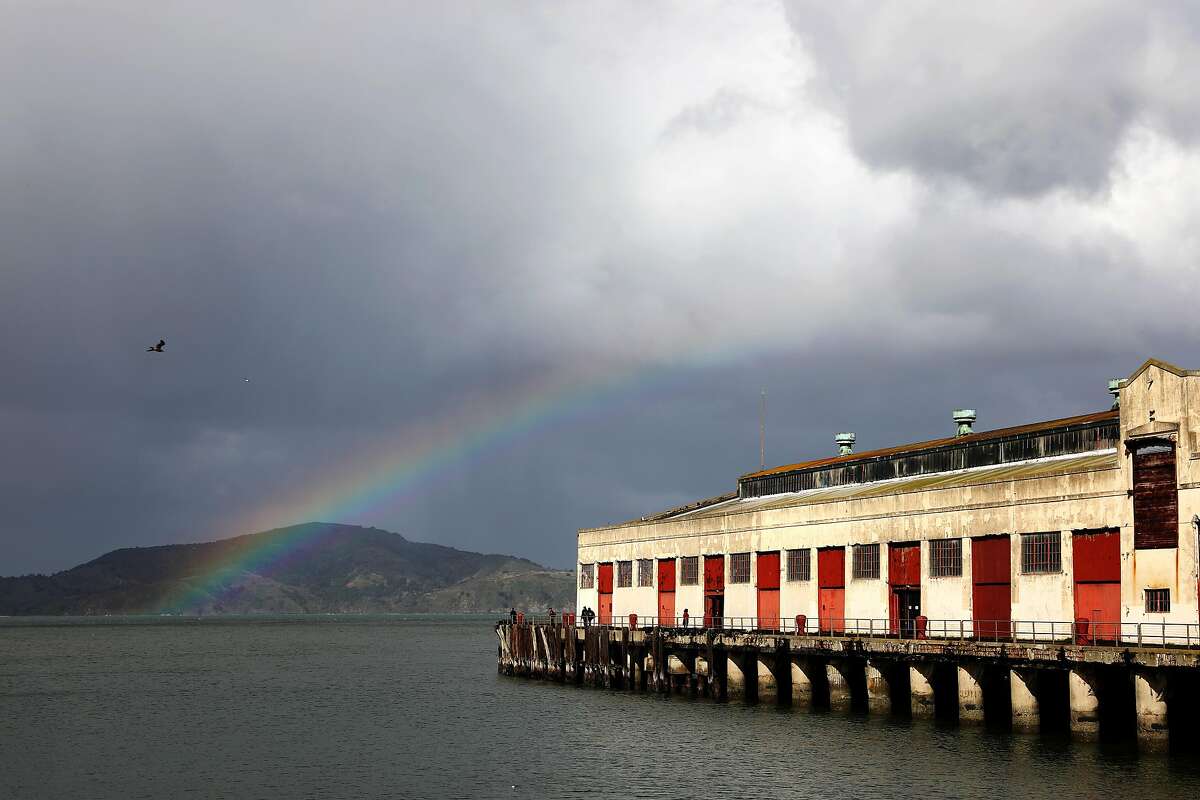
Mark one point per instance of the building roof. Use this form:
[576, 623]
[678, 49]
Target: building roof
[1082, 419]
[1039, 468]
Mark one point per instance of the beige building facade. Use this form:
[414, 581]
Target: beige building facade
[1072, 528]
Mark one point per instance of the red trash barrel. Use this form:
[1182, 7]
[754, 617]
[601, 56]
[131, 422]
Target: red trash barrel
[801, 623]
[1082, 633]
[922, 624]
[520, 617]
[633, 622]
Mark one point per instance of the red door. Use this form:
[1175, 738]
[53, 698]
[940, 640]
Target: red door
[714, 591]
[831, 577]
[904, 581]
[666, 592]
[768, 591]
[991, 596]
[604, 586]
[1097, 559]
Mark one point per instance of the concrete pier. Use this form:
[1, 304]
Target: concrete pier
[1150, 698]
[1022, 686]
[970, 694]
[839, 686]
[1048, 688]
[1082, 688]
[920, 687]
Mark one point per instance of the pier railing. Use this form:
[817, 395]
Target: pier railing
[1079, 632]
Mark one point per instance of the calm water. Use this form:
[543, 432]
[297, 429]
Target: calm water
[413, 708]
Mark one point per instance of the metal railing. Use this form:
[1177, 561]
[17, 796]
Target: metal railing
[1079, 632]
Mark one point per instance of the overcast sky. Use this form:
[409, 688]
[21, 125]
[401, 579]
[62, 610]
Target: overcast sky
[401, 221]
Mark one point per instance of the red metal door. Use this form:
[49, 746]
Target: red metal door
[1097, 559]
[714, 591]
[666, 591]
[831, 576]
[991, 596]
[768, 591]
[904, 581]
[604, 587]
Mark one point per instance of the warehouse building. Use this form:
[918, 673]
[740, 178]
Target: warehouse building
[1083, 526]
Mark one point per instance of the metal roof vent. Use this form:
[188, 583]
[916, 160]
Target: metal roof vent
[845, 443]
[964, 418]
[1114, 388]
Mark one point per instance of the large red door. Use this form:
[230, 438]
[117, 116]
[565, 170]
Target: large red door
[904, 582]
[991, 595]
[831, 577]
[768, 591]
[666, 592]
[1097, 559]
[714, 591]
[604, 587]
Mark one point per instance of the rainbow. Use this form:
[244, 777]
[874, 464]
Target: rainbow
[399, 466]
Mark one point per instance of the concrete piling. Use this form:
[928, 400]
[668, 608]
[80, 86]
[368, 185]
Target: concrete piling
[879, 688]
[1150, 698]
[970, 694]
[1022, 684]
[920, 689]
[1084, 698]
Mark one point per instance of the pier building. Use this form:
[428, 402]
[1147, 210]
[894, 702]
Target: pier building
[1044, 575]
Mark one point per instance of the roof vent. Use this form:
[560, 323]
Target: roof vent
[964, 418]
[1114, 388]
[845, 443]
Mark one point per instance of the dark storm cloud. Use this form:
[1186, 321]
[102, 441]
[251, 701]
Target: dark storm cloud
[380, 215]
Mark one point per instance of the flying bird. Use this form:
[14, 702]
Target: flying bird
[158, 348]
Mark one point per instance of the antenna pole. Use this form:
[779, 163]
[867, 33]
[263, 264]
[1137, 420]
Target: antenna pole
[762, 431]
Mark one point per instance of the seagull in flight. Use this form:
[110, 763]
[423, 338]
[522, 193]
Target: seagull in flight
[158, 348]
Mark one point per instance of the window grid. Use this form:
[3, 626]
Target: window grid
[645, 572]
[1041, 552]
[624, 574]
[587, 576]
[945, 558]
[865, 561]
[799, 564]
[739, 568]
[1158, 601]
[689, 570]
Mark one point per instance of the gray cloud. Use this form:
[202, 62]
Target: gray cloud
[391, 218]
[1014, 98]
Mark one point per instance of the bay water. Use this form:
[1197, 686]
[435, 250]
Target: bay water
[412, 707]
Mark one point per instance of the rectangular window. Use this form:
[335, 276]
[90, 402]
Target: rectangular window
[645, 572]
[739, 568]
[587, 576]
[1041, 552]
[1158, 601]
[865, 561]
[1155, 497]
[799, 565]
[945, 558]
[689, 570]
[624, 574]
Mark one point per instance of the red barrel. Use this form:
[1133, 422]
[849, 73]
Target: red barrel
[1082, 632]
[801, 623]
[922, 624]
[633, 622]
[520, 617]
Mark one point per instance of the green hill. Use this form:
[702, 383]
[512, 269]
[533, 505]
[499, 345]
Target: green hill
[311, 568]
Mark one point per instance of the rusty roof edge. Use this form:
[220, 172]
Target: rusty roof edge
[933, 444]
[661, 515]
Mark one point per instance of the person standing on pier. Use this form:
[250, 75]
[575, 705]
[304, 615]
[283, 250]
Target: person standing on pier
[512, 615]
[685, 618]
